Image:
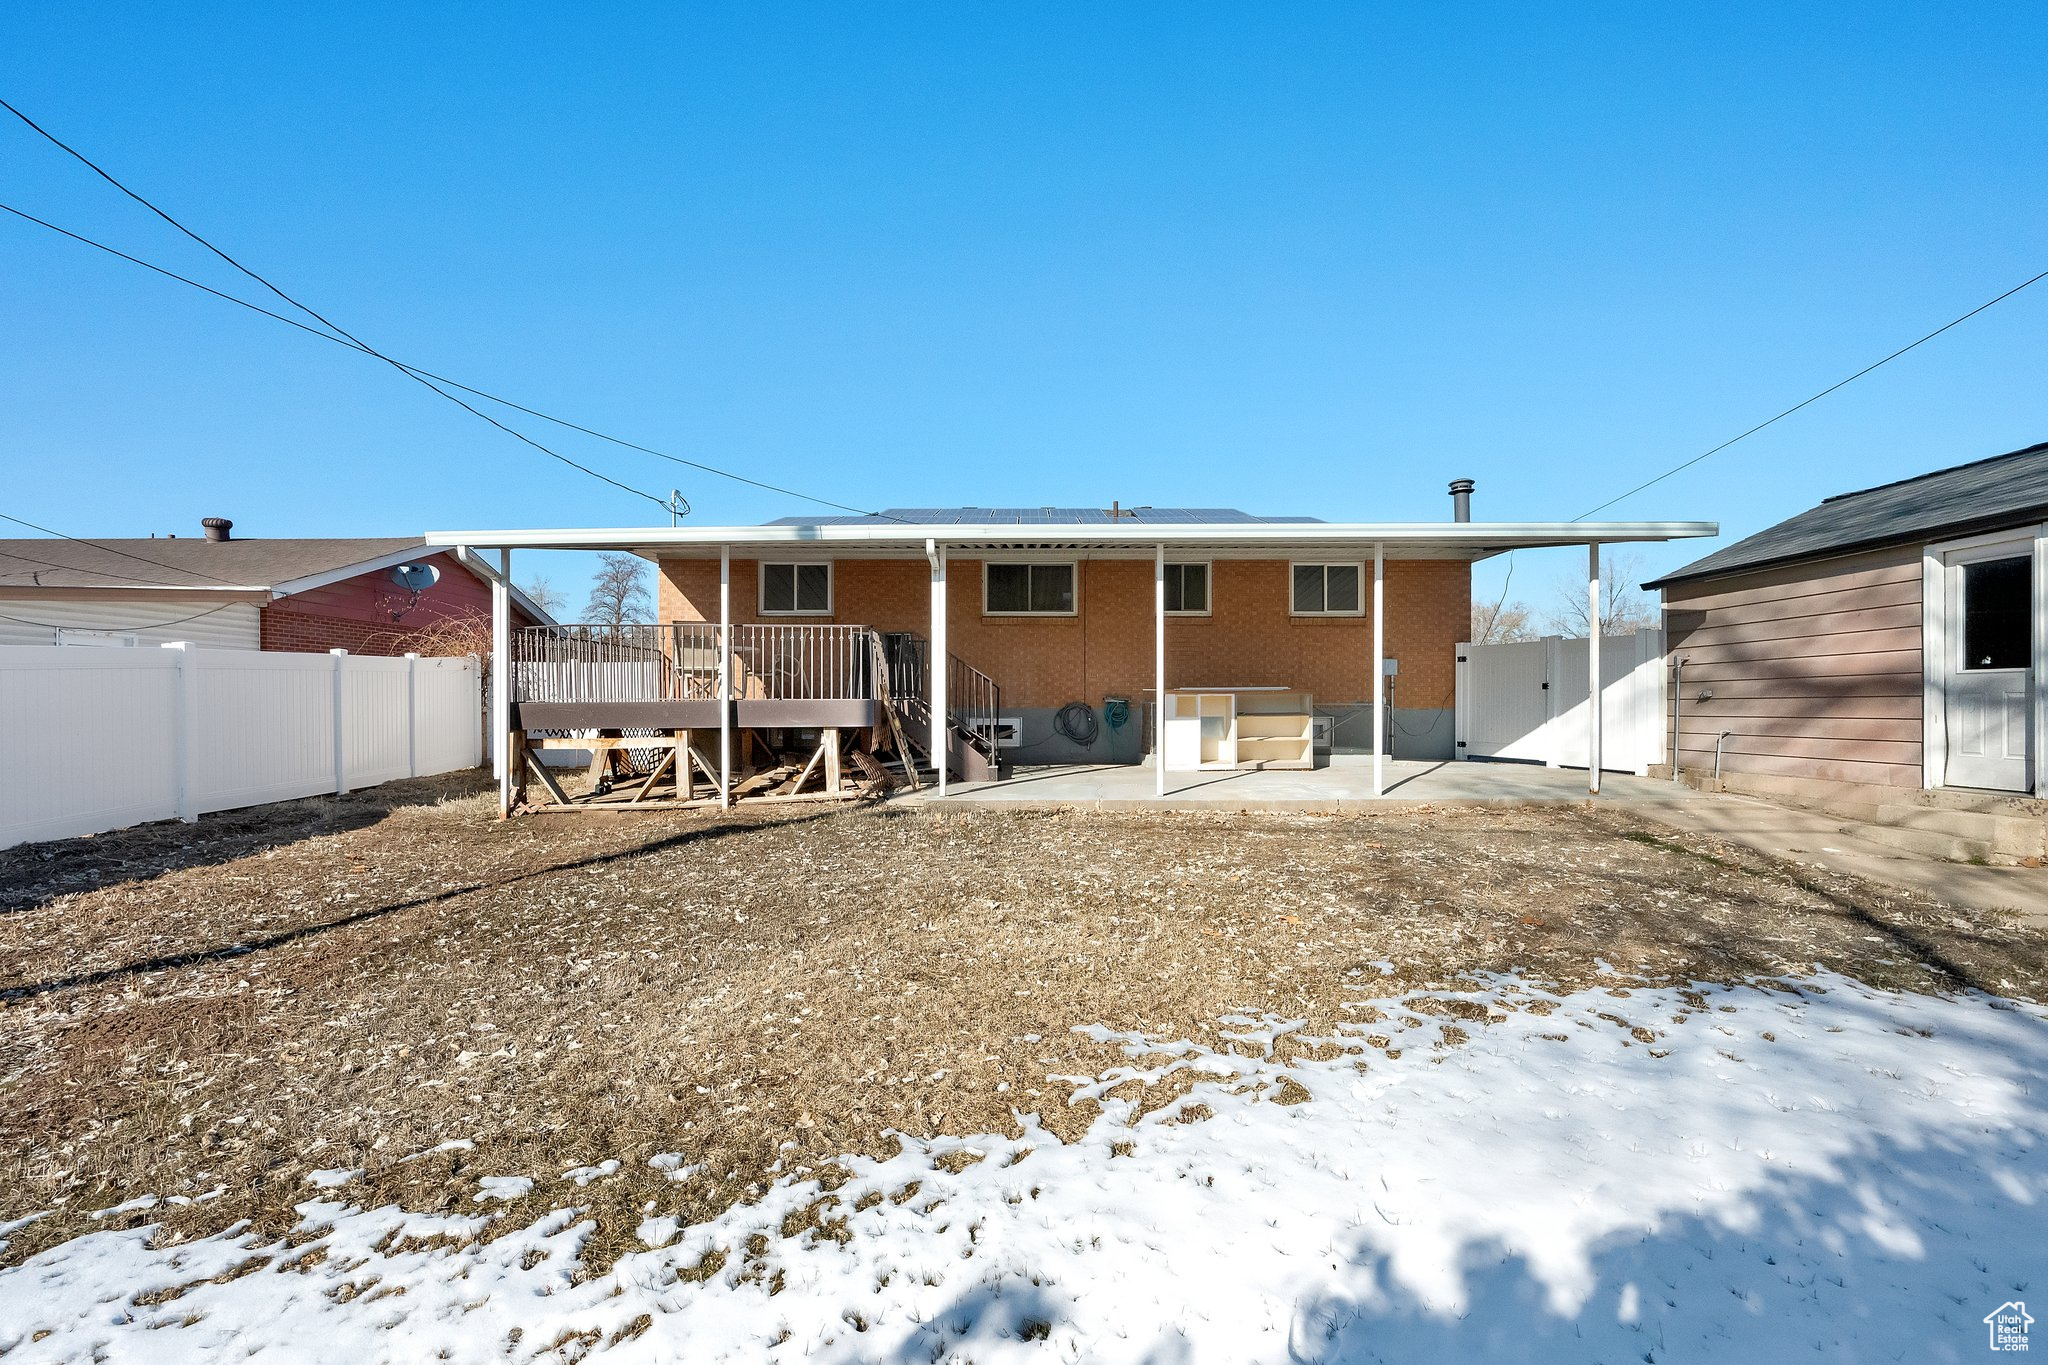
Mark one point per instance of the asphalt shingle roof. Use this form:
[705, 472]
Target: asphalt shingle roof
[2009, 489]
[1040, 516]
[183, 562]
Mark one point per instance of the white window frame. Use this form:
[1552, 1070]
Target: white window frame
[1327, 564]
[761, 586]
[1208, 585]
[1073, 568]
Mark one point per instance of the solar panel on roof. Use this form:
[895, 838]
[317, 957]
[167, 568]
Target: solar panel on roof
[1043, 516]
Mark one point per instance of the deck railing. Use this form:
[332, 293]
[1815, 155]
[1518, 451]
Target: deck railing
[909, 671]
[802, 662]
[602, 663]
[679, 662]
[771, 662]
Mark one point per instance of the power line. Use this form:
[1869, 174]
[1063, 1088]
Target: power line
[1506, 582]
[439, 378]
[333, 327]
[140, 559]
[96, 573]
[1816, 398]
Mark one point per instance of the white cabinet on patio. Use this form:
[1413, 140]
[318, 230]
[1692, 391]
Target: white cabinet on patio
[1212, 729]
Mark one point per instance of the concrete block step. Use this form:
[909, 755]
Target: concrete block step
[1987, 803]
[1871, 812]
[2016, 836]
[1927, 843]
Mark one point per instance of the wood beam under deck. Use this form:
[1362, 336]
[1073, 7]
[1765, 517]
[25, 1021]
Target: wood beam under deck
[591, 687]
[837, 762]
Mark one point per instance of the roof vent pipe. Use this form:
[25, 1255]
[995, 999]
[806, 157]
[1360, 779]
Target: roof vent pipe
[217, 528]
[1461, 499]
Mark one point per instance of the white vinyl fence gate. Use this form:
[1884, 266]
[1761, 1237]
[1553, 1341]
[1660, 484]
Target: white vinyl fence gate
[1527, 701]
[99, 739]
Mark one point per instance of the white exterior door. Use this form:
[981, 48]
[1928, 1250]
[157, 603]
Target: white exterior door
[1988, 687]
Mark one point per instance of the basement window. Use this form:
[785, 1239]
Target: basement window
[1328, 590]
[796, 589]
[1027, 589]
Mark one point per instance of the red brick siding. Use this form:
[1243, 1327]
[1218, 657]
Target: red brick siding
[357, 613]
[1106, 649]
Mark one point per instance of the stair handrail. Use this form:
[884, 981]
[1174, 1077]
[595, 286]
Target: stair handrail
[885, 699]
[974, 701]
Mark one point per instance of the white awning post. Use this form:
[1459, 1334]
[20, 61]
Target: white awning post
[1593, 669]
[1159, 670]
[942, 729]
[1379, 668]
[725, 679]
[501, 680]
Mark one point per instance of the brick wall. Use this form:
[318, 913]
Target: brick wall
[369, 614]
[1106, 649]
[304, 632]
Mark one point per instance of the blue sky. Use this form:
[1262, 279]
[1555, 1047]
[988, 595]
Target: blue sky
[1299, 259]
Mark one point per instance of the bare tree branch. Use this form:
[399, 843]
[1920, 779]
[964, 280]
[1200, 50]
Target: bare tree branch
[545, 595]
[1623, 608]
[619, 595]
[1501, 623]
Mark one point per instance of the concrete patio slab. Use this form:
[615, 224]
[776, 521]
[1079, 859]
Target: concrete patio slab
[1343, 783]
[1804, 837]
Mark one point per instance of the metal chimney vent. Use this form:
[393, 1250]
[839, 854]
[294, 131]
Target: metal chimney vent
[1461, 499]
[217, 528]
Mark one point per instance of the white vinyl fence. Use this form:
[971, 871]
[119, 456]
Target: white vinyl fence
[1527, 701]
[98, 739]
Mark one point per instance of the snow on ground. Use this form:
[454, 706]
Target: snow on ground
[1820, 1172]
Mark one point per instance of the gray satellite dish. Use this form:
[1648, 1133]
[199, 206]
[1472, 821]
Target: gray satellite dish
[415, 578]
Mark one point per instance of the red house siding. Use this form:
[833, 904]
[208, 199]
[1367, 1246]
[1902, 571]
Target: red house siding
[369, 614]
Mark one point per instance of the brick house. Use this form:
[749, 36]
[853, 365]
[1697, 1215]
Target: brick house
[1186, 638]
[1233, 625]
[383, 595]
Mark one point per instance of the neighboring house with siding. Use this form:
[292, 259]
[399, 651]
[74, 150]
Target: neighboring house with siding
[1889, 638]
[368, 596]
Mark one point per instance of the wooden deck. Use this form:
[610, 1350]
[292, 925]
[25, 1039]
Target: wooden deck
[813, 712]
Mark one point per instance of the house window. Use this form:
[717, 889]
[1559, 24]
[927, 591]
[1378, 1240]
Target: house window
[1328, 590]
[1027, 590]
[1187, 589]
[796, 589]
[1998, 613]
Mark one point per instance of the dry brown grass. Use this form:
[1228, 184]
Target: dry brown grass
[347, 984]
